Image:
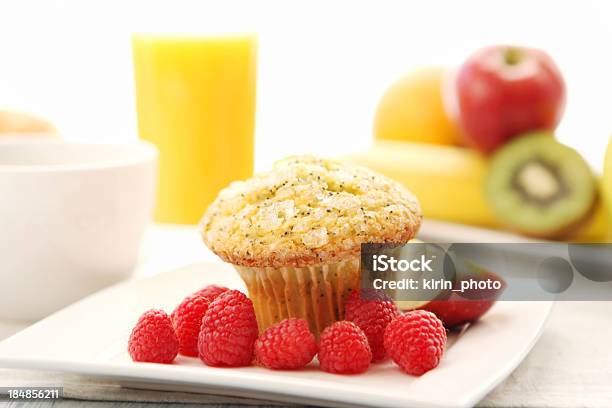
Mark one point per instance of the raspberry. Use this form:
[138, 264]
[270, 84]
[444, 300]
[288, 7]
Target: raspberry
[344, 349]
[415, 341]
[287, 345]
[153, 339]
[211, 291]
[229, 330]
[187, 320]
[372, 316]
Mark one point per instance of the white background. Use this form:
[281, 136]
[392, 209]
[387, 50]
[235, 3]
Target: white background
[322, 66]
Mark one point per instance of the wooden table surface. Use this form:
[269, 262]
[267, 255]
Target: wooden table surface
[98, 404]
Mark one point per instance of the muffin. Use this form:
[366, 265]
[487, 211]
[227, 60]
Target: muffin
[294, 234]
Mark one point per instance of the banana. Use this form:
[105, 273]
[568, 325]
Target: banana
[448, 182]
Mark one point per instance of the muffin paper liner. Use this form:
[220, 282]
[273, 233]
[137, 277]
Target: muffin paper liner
[316, 293]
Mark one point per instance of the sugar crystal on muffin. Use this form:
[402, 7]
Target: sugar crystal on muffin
[308, 211]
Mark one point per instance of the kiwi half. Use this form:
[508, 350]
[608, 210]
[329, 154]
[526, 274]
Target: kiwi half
[541, 187]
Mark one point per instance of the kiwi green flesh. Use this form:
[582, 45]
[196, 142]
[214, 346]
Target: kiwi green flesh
[540, 187]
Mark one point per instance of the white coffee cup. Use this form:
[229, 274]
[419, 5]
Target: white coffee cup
[72, 217]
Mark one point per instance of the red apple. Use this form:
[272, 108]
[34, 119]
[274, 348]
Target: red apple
[456, 308]
[503, 91]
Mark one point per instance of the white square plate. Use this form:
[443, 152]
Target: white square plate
[90, 337]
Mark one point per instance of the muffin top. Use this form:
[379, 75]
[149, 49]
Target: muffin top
[308, 211]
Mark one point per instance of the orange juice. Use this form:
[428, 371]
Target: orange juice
[195, 100]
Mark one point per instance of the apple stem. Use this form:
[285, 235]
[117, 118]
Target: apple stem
[512, 56]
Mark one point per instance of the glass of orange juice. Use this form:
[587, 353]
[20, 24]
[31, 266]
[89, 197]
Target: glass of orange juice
[195, 98]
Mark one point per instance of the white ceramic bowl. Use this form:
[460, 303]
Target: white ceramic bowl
[72, 217]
